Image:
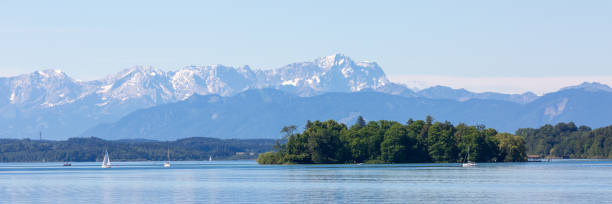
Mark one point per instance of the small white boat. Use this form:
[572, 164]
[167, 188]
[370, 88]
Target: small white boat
[106, 162]
[209, 158]
[468, 163]
[167, 163]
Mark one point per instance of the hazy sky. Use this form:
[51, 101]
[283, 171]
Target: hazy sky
[455, 43]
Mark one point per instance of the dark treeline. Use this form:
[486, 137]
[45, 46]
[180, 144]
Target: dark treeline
[92, 149]
[332, 142]
[393, 142]
[568, 140]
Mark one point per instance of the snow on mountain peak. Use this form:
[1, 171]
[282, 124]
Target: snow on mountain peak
[50, 73]
[144, 70]
[45, 88]
[331, 61]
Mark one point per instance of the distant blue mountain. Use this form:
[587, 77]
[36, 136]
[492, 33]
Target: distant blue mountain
[587, 104]
[443, 92]
[262, 113]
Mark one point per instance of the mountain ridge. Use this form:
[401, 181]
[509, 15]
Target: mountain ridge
[60, 106]
[262, 113]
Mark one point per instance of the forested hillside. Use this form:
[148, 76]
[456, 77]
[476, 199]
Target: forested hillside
[568, 140]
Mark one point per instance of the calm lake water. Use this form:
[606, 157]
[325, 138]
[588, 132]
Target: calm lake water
[560, 181]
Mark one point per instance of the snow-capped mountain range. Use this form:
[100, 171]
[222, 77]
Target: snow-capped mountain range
[52, 102]
[49, 88]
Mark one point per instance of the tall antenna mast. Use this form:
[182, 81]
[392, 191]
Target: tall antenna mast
[40, 135]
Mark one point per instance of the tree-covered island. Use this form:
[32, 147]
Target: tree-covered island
[330, 142]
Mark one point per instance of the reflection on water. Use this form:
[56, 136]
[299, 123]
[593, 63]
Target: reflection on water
[245, 181]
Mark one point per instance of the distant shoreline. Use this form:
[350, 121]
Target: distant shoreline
[339, 164]
[92, 149]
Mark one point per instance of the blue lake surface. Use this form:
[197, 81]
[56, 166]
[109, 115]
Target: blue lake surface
[560, 181]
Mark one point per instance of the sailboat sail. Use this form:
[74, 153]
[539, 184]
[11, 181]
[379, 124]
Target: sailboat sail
[106, 162]
[467, 157]
[167, 163]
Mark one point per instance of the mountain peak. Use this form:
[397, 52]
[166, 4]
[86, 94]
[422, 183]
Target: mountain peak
[48, 73]
[590, 86]
[142, 69]
[141, 72]
[333, 60]
[245, 67]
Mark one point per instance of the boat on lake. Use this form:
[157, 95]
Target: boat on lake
[106, 162]
[467, 162]
[67, 162]
[167, 163]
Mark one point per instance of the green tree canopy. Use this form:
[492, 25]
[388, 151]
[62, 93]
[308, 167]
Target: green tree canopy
[392, 142]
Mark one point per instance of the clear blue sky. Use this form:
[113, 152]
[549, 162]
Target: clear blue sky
[89, 40]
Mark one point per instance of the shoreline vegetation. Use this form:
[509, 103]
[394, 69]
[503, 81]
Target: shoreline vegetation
[92, 149]
[426, 141]
[566, 140]
[330, 142]
[375, 142]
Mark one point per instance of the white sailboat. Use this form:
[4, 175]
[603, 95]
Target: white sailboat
[468, 163]
[106, 162]
[167, 163]
[209, 158]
